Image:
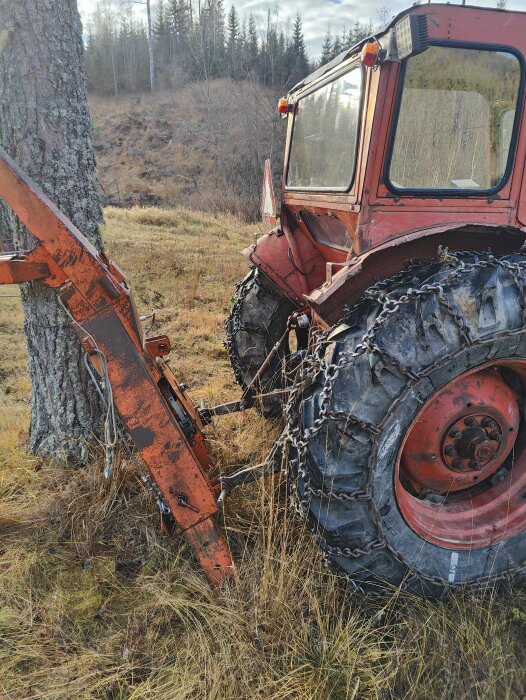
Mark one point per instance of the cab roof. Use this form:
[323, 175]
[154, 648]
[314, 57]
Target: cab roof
[420, 9]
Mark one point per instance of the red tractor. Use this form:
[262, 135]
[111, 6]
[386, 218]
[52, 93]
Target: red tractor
[384, 317]
[402, 224]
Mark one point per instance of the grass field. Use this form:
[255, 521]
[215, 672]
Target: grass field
[96, 603]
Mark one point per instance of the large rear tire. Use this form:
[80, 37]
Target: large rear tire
[257, 321]
[409, 443]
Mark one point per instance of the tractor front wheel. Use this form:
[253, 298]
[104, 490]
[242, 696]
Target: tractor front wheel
[257, 321]
[409, 445]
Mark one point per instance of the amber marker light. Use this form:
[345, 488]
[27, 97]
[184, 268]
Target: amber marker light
[283, 106]
[370, 53]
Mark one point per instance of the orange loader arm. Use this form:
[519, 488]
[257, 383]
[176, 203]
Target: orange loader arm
[156, 413]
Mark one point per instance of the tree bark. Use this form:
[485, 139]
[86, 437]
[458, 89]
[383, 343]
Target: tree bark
[46, 128]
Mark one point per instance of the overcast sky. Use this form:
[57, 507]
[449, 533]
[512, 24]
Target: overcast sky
[317, 14]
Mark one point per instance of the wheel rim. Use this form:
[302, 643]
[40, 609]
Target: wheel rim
[460, 478]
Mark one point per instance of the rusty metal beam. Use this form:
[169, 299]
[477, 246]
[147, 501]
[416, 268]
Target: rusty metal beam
[15, 268]
[146, 395]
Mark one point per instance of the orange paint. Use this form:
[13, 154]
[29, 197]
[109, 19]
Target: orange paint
[146, 395]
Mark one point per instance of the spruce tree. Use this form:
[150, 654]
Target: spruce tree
[337, 47]
[326, 49]
[299, 53]
[161, 35]
[252, 45]
[180, 18]
[219, 39]
[232, 48]
[282, 71]
[359, 32]
[242, 52]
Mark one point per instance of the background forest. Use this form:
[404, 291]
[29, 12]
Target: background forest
[200, 138]
[199, 41]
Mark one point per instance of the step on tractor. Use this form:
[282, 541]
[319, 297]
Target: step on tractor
[383, 320]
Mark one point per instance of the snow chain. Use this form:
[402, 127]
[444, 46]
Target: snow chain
[291, 447]
[241, 292]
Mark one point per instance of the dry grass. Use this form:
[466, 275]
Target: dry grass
[96, 603]
[201, 146]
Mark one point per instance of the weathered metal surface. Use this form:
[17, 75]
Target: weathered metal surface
[274, 254]
[146, 395]
[463, 434]
[351, 280]
[15, 268]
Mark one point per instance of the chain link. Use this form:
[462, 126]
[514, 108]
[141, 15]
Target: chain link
[234, 325]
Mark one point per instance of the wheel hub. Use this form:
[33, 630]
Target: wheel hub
[473, 443]
[463, 435]
[460, 478]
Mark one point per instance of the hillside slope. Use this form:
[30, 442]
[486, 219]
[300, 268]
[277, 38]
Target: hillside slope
[201, 146]
[95, 603]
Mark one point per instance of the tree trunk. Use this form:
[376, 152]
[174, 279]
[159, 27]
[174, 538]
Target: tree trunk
[46, 128]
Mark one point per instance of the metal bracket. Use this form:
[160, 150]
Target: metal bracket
[330, 265]
[298, 319]
[158, 345]
[16, 268]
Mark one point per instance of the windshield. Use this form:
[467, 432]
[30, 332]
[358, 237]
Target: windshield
[325, 134]
[456, 120]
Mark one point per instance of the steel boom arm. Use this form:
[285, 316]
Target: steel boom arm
[160, 419]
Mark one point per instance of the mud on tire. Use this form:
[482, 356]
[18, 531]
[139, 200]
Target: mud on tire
[390, 355]
[257, 321]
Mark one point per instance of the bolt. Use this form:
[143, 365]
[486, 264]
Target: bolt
[484, 451]
[450, 451]
[455, 434]
[471, 422]
[474, 465]
[486, 422]
[458, 463]
[495, 436]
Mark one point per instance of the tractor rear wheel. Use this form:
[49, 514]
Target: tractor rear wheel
[409, 445]
[257, 321]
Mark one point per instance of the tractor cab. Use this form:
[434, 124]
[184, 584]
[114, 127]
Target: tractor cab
[410, 137]
[400, 248]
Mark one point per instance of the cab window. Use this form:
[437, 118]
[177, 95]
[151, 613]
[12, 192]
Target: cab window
[456, 120]
[325, 135]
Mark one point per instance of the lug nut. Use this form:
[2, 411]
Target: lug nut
[450, 451]
[474, 465]
[455, 434]
[495, 436]
[458, 463]
[471, 422]
[486, 422]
